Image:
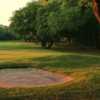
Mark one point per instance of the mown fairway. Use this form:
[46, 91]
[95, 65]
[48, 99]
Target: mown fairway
[82, 66]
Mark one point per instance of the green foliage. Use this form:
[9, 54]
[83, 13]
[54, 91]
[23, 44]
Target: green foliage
[23, 21]
[80, 22]
[6, 34]
[57, 20]
[48, 24]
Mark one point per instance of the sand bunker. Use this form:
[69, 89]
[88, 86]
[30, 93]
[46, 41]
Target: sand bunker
[11, 78]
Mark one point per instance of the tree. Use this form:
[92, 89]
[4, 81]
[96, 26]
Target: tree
[6, 34]
[23, 21]
[49, 24]
[96, 6]
[43, 31]
[81, 23]
[58, 19]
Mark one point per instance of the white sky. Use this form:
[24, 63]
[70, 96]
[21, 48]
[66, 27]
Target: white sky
[7, 7]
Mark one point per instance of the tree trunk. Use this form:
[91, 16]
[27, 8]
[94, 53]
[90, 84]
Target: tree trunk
[46, 44]
[98, 40]
[49, 44]
[43, 44]
[96, 8]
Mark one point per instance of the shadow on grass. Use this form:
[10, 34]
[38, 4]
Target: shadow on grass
[12, 65]
[67, 61]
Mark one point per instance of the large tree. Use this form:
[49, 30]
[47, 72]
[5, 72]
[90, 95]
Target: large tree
[57, 19]
[24, 20]
[6, 34]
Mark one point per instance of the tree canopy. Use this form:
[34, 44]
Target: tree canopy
[58, 19]
[6, 34]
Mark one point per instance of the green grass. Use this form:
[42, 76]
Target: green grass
[68, 61]
[14, 45]
[84, 67]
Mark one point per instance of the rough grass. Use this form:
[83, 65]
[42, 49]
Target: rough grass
[82, 66]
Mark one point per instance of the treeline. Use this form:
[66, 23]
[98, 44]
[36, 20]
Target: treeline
[71, 21]
[6, 34]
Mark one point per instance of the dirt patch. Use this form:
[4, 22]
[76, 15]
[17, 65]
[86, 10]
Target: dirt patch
[11, 78]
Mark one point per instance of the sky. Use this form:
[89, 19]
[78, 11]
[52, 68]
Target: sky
[7, 7]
